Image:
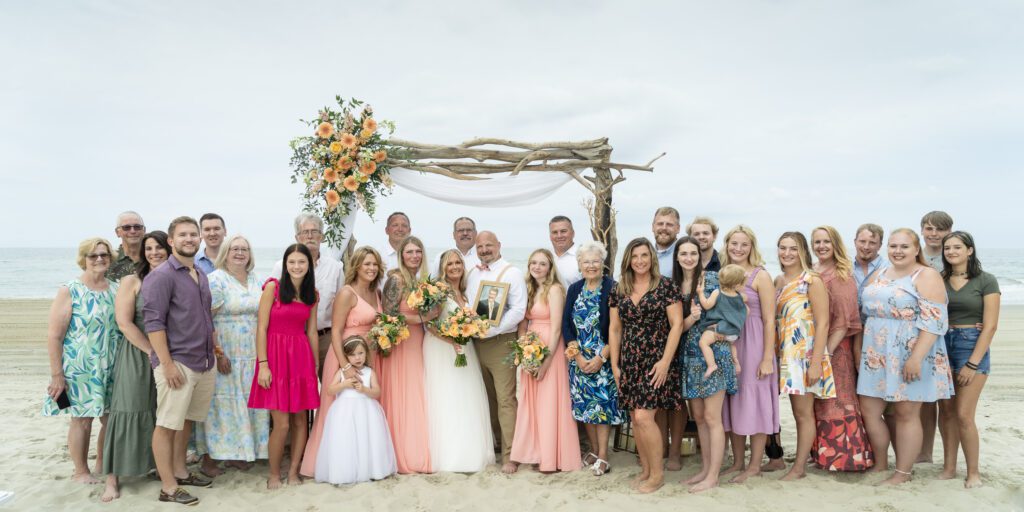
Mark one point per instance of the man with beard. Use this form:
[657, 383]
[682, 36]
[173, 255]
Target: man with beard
[493, 349]
[666, 230]
[705, 231]
[867, 243]
[179, 323]
[214, 231]
[130, 229]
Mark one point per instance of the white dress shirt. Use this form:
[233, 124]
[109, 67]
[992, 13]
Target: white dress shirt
[390, 256]
[329, 277]
[568, 267]
[515, 305]
[469, 259]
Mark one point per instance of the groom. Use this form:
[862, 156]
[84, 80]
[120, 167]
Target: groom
[499, 377]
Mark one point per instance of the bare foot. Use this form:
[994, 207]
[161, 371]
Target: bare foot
[695, 478]
[973, 482]
[895, 479]
[731, 469]
[704, 485]
[673, 464]
[274, 482]
[294, 479]
[639, 480]
[111, 492]
[239, 465]
[509, 467]
[773, 465]
[712, 368]
[878, 468]
[793, 474]
[947, 474]
[210, 467]
[650, 485]
[85, 478]
[742, 477]
[923, 459]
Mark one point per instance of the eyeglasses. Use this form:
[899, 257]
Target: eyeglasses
[243, 250]
[591, 263]
[99, 256]
[310, 232]
[133, 227]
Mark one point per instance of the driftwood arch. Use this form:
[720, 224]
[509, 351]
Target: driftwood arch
[588, 162]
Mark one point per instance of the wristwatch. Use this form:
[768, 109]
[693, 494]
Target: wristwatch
[603, 359]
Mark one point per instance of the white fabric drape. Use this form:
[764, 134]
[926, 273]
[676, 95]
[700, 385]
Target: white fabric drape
[349, 221]
[500, 191]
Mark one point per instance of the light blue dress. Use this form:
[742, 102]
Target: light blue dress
[232, 431]
[89, 351]
[896, 313]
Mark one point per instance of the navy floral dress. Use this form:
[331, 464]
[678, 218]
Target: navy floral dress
[694, 384]
[645, 330]
[594, 395]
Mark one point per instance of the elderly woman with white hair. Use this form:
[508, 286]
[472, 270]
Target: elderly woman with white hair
[585, 330]
[232, 431]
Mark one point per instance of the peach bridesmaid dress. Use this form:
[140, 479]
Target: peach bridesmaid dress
[401, 376]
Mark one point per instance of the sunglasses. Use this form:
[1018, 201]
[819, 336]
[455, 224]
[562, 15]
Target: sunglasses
[97, 257]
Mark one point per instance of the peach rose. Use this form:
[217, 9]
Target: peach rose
[331, 175]
[368, 167]
[348, 140]
[370, 124]
[333, 197]
[325, 130]
[350, 183]
[380, 156]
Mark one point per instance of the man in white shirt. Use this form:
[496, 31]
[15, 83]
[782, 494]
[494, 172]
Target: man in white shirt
[499, 377]
[397, 228]
[564, 244]
[464, 234]
[666, 231]
[328, 272]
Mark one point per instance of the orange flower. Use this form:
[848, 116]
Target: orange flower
[370, 124]
[333, 198]
[335, 147]
[348, 140]
[365, 134]
[351, 183]
[331, 175]
[325, 130]
[380, 156]
[368, 167]
[345, 163]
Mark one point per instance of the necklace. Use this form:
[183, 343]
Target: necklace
[958, 274]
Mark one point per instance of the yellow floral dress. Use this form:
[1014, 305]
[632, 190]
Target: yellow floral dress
[795, 328]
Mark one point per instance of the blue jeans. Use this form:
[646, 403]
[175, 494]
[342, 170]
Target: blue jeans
[960, 344]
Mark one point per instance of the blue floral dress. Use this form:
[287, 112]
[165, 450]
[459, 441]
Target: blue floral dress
[90, 348]
[594, 395]
[692, 361]
[233, 431]
[896, 314]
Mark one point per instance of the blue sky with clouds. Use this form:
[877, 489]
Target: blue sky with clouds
[780, 115]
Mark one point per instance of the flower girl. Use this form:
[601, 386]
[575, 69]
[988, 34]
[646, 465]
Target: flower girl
[356, 444]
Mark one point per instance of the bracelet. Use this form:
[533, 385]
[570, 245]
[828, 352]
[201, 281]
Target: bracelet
[971, 365]
[259, 362]
[347, 366]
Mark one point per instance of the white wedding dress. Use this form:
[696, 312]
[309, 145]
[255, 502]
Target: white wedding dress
[460, 423]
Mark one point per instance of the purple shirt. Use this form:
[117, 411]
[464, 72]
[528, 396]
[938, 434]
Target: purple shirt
[174, 303]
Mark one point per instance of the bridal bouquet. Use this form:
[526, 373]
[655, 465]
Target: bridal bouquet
[528, 352]
[427, 294]
[388, 331]
[462, 326]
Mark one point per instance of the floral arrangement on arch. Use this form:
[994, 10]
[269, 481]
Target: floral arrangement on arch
[343, 164]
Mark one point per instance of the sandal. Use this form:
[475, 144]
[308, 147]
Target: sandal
[179, 496]
[195, 481]
[589, 459]
[600, 467]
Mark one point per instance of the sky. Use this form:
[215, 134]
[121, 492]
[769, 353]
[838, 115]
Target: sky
[776, 114]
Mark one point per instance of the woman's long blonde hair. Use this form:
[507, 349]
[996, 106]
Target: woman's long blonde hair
[442, 275]
[802, 250]
[754, 259]
[917, 243]
[410, 279]
[844, 266]
[626, 276]
[551, 280]
[357, 259]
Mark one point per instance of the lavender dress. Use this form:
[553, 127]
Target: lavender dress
[755, 408]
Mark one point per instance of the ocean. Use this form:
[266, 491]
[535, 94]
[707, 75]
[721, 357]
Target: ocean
[36, 272]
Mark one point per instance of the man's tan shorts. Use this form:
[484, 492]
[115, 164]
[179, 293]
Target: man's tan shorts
[189, 402]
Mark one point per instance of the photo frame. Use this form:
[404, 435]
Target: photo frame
[490, 300]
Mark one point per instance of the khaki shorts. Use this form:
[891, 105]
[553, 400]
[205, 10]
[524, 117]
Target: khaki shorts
[189, 402]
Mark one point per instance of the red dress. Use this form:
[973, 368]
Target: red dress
[293, 383]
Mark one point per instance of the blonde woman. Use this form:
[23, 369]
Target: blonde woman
[545, 434]
[841, 443]
[754, 410]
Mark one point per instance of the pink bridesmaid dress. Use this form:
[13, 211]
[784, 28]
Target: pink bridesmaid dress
[401, 376]
[546, 432]
[359, 321]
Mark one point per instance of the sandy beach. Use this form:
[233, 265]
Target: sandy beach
[37, 467]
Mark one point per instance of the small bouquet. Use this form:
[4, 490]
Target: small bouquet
[572, 350]
[528, 352]
[427, 294]
[388, 331]
[462, 326]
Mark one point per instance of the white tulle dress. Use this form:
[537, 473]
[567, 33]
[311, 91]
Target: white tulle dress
[356, 444]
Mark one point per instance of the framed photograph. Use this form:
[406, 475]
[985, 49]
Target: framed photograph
[490, 300]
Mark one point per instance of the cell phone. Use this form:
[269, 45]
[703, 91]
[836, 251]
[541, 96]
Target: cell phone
[63, 402]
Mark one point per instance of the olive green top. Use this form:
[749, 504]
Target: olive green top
[967, 305]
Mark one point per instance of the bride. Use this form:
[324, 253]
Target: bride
[460, 426]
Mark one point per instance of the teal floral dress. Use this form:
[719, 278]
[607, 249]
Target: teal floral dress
[90, 347]
[594, 395]
[692, 360]
[233, 431]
